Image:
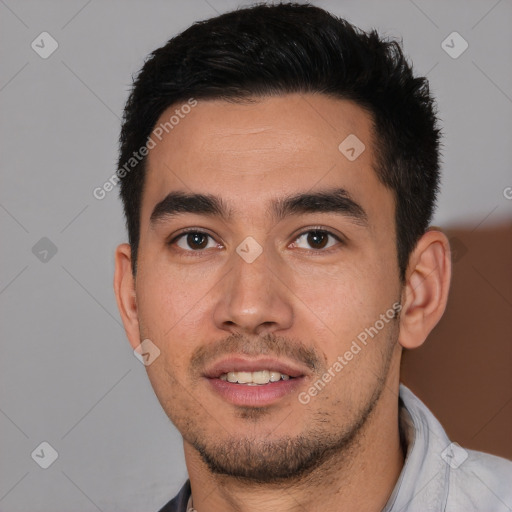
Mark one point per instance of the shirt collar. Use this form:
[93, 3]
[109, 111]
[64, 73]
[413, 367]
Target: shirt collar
[422, 484]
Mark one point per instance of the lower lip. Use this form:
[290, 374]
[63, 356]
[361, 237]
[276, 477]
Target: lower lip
[255, 396]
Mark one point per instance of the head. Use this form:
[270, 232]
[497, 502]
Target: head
[278, 212]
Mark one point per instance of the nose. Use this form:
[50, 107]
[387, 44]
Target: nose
[253, 298]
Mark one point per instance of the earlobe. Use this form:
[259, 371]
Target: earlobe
[124, 288]
[426, 289]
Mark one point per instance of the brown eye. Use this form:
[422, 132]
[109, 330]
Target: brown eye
[316, 239]
[197, 240]
[194, 241]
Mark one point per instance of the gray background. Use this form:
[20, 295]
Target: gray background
[68, 375]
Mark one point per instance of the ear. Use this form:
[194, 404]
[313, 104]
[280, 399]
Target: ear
[425, 293]
[124, 287]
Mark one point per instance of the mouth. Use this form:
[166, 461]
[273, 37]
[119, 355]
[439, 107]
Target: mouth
[254, 383]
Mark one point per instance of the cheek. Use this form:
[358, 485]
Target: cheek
[343, 304]
[171, 313]
[168, 301]
[341, 298]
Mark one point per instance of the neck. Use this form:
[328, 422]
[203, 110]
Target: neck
[361, 477]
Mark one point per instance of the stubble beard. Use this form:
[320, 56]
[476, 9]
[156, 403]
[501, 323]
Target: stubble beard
[290, 459]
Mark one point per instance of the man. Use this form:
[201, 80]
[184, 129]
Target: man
[282, 173]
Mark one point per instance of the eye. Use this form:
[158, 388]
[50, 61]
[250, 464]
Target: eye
[316, 239]
[194, 241]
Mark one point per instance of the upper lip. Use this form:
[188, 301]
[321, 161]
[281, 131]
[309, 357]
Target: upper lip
[242, 364]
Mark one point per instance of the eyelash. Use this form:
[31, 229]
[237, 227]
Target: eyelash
[314, 229]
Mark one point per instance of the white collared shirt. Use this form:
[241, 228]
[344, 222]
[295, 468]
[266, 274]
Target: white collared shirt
[440, 476]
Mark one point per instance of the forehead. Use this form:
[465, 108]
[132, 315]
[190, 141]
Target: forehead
[247, 153]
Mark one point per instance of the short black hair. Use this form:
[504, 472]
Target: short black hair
[268, 50]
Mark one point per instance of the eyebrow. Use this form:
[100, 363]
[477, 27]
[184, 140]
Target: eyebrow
[337, 201]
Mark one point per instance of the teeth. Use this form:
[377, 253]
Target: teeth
[243, 377]
[275, 376]
[261, 377]
[254, 378]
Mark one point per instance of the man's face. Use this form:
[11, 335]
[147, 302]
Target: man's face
[280, 284]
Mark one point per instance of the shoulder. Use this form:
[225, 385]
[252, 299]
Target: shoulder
[481, 482]
[441, 475]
